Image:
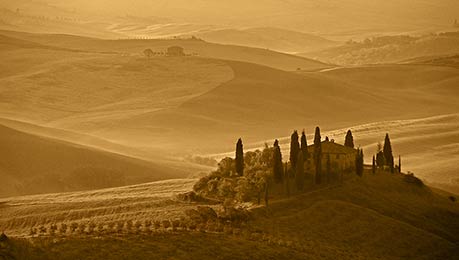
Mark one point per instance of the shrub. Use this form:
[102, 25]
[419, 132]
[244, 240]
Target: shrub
[82, 227]
[52, 229]
[73, 227]
[175, 224]
[110, 226]
[100, 227]
[157, 224]
[410, 178]
[129, 225]
[166, 224]
[91, 227]
[147, 224]
[119, 227]
[63, 228]
[138, 226]
[42, 229]
[33, 231]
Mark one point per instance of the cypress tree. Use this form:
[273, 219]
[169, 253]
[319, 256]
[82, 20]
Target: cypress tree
[359, 162]
[304, 145]
[277, 163]
[318, 155]
[239, 158]
[287, 179]
[294, 149]
[373, 165]
[399, 164]
[387, 150]
[349, 141]
[299, 176]
[328, 168]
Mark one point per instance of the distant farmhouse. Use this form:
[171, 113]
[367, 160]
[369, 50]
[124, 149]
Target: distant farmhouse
[175, 51]
[341, 157]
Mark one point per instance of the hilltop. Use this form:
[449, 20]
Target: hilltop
[267, 37]
[192, 46]
[366, 213]
[389, 49]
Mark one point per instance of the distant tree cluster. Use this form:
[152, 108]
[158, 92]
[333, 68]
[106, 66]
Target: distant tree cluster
[259, 174]
[384, 157]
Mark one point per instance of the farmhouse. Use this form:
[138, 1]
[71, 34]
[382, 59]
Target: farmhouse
[341, 157]
[175, 51]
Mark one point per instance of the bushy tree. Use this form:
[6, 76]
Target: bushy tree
[299, 175]
[380, 161]
[318, 155]
[148, 53]
[304, 145]
[349, 141]
[239, 161]
[387, 150]
[294, 149]
[226, 167]
[277, 163]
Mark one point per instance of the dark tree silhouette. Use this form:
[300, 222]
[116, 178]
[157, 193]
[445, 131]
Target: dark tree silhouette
[387, 150]
[304, 146]
[399, 164]
[239, 158]
[318, 155]
[349, 141]
[373, 165]
[148, 53]
[299, 176]
[380, 161]
[359, 162]
[277, 163]
[328, 168]
[287, 179]
[294, 149]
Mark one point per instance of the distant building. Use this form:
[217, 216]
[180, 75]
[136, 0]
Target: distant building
[175, 51]
[341, 157]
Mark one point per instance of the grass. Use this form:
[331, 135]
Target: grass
[378, 216]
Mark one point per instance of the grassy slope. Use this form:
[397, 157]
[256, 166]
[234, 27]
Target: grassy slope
[148, 105]
[270, 101]
[202, 48]
[270, 38]
[391, 51]
[376, 217]
[32, 164]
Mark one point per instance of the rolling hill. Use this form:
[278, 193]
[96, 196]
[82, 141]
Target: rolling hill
[389, 49]
[177, 106]
[32, 164]
[192, 46]
[356, 219]
[269, 38]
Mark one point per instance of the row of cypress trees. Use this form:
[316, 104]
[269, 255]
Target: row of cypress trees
[299, 153]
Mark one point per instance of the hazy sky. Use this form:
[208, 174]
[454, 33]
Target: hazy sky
[323, 16]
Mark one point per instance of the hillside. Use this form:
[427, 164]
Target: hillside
[389, 49]
[165, 105]
[268, 38]
[192, 46]
[31, 164]
[325, 223]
